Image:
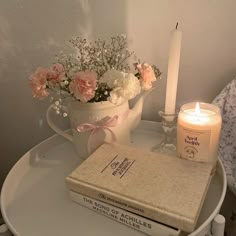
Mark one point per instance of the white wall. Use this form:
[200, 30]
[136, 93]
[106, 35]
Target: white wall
[32, 31]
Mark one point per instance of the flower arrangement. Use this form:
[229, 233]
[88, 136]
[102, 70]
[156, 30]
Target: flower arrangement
[99, 72]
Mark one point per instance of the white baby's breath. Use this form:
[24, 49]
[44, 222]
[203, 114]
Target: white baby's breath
[72, 72]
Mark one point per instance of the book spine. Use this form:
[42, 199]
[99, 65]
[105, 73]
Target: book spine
[135, 221]
[112, 199]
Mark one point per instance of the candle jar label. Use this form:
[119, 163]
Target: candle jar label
[193, 144]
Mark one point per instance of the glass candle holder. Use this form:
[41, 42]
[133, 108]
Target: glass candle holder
[168, 142]
[198, 132]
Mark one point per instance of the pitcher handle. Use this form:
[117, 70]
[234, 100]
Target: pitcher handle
[54, 127]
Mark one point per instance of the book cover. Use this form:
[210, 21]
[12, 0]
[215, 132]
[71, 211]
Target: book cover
[130, 219]
[160, 187]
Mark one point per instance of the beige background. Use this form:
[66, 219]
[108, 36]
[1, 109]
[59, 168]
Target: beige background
[32, 31]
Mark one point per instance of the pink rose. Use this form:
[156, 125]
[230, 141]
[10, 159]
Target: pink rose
[83, 85]
[147, 75]
[38, 82]
[55, 73]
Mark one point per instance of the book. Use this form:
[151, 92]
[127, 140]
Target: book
[162, 188]
[130, 219]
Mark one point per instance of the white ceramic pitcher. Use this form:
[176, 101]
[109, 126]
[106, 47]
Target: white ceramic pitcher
[93, 124]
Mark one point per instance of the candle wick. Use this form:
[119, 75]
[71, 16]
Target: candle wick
[176, 27]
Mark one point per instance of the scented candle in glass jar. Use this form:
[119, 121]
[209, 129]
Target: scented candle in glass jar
[198, 132]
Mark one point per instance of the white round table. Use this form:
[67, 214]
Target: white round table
[35, 201]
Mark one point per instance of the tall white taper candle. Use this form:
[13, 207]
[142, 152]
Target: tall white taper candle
[173, 70]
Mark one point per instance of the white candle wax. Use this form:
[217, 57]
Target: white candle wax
[198, 132]
[173, 71]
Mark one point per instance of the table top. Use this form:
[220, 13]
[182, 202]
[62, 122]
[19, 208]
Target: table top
[35, 201]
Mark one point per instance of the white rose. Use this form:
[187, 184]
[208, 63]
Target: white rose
[123, 85]
[126, 88]
[111, 76]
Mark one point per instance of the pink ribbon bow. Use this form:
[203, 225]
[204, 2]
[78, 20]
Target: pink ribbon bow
[106, 124]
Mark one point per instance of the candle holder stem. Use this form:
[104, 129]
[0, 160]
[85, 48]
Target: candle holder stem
[168, 143]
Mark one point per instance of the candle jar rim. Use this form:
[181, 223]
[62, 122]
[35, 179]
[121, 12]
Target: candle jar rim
[206, 106]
